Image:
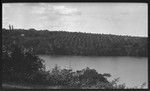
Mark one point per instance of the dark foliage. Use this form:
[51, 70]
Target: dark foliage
[74, 43]
[21, 65]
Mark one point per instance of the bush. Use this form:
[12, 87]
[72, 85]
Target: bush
[19, 64]
[66, 78]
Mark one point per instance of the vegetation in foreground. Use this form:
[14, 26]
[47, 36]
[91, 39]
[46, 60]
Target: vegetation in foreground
[76, 43]
[22, 66]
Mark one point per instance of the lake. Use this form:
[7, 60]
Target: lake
[133, 71]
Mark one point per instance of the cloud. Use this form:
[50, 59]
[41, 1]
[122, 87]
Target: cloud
[38, 10]
[56, 10]
[54, 13]
[63, 10]
[6, 5]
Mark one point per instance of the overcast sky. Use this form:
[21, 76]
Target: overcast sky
[107, 18]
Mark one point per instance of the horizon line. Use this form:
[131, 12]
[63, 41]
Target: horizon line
[76, 32]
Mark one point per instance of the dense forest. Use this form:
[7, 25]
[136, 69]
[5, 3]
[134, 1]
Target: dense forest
[76, 43]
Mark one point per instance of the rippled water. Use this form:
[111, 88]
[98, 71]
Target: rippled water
[133, 71]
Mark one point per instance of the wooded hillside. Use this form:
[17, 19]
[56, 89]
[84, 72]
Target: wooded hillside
[76, 43]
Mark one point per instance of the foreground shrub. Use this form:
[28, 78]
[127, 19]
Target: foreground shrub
[85, 78]
[20, 64]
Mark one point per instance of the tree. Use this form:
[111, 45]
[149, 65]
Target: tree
[20, 63]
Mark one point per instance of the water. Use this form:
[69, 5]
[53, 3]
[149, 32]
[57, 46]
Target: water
[133, 71]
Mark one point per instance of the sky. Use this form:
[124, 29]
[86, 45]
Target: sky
[103, 18]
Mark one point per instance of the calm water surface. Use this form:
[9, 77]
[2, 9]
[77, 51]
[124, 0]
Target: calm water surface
[133, 71]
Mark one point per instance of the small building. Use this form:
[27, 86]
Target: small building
[22, 34]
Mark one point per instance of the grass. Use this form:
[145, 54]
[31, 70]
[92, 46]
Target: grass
[26, 86]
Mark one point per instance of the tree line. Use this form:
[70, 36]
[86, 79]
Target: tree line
[76, 43]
